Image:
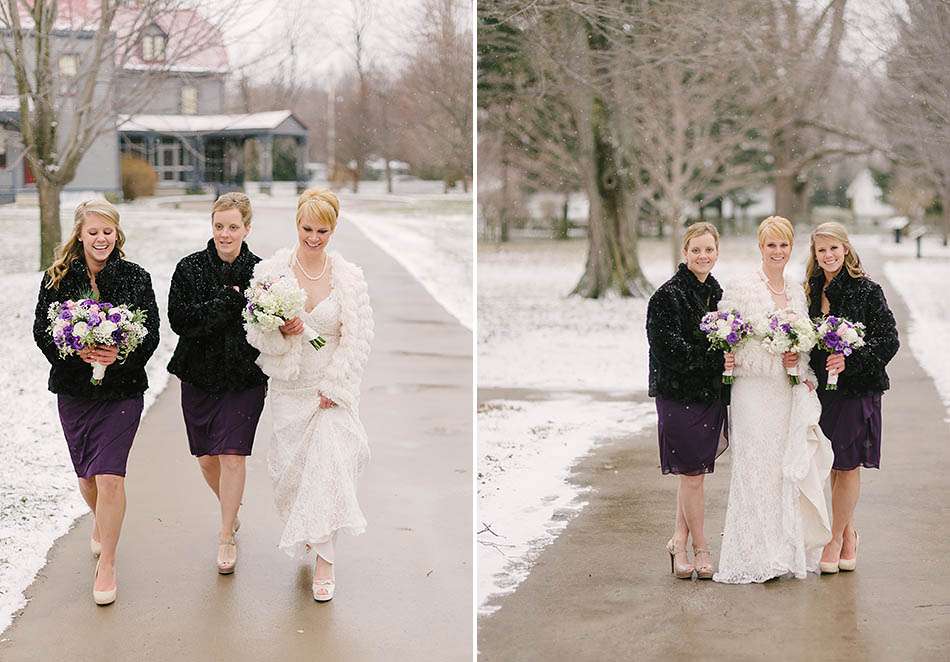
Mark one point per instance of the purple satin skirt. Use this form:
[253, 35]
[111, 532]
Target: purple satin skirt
[99, 433]
[690, 435]
[223, 423]
[854, 427]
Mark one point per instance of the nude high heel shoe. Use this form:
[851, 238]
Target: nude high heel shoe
[103, 598]
[323, 589]
[95, 547]
[684, 571]
[848, 565]
[226, 565]
[704, 569]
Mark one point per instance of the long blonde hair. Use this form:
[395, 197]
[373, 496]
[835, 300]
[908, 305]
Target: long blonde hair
[852, 262]
[71, 249]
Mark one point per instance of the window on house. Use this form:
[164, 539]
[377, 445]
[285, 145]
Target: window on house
[69, 65]
[189, 100]
[153, 47]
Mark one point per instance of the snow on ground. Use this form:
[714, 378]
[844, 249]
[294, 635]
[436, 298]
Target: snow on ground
[588, 358]
[922, 285]
[430, 237]
[526, 450]
[39, 500]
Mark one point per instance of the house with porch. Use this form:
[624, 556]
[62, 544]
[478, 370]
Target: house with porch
[169, 108]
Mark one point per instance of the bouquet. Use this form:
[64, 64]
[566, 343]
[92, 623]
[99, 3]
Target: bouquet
[784, 331]
[271, 301]
[837, 335]
[725, 329]
[76, 325]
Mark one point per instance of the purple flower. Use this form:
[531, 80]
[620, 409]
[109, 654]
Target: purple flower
[115, 318]
[732, 338]
[786, 328]
[773, 323]
[94, 319]
[65, 314]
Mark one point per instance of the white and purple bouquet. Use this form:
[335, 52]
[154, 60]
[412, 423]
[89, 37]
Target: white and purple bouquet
[76, 325]
[725, 329]
[837, 335]
[785, 331]
[271, 301]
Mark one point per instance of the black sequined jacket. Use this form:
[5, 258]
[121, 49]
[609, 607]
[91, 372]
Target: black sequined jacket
[119, 282]
[857, 300]
[682, 366]
[204, 310]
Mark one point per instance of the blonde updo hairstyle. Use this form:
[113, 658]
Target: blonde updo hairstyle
[234, 200]
[318, 205]
[836, 231]
[71, 249]
[776, 226]
[698, 230]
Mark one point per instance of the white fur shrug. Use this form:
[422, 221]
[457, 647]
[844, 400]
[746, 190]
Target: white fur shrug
[751, 298]
[280, 355]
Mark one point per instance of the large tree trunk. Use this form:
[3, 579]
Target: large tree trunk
[945, 206]
[503, 219]
[789, 200]
[612, 263]
[50, 234]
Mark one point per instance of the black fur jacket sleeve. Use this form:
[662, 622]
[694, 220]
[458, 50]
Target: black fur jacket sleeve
[119, 282]
[682, 366]
[204, 310]
[857, 300]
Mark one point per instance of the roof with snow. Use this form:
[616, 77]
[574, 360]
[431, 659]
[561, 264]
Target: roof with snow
[193, 44]
[278, 122]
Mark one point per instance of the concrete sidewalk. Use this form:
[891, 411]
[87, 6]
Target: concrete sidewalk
[603, 590]
[404, 589]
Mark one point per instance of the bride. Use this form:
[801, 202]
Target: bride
[776, 519]
[319, 446]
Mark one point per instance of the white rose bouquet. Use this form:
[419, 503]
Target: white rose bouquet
[785, 331]
[272, 301]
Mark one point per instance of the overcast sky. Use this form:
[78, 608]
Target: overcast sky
[321, 30]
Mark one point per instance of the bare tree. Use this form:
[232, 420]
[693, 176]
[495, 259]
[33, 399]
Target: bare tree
[797, 60]
[438, 79]
[63, 110]
[679, 80]
[914, 105]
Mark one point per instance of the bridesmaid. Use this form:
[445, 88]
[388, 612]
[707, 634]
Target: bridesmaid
[99, 422]
[686, 380]
[851, 415]
[222, 389]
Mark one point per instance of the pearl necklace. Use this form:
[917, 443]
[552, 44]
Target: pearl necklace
[326, 263]
[781, 292]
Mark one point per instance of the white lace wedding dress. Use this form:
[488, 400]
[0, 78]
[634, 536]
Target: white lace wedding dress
[316, 455]
[777, 517]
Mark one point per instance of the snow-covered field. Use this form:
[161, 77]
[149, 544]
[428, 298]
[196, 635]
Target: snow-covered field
[923, 287]
[431, 237]
[39, 500]
[526, 451]
[585, 364]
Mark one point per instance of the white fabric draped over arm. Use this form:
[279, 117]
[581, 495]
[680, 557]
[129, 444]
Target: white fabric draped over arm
[342, 377]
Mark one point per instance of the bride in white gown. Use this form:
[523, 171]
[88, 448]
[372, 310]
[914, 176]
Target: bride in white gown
[319, 446]
[777, 518]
